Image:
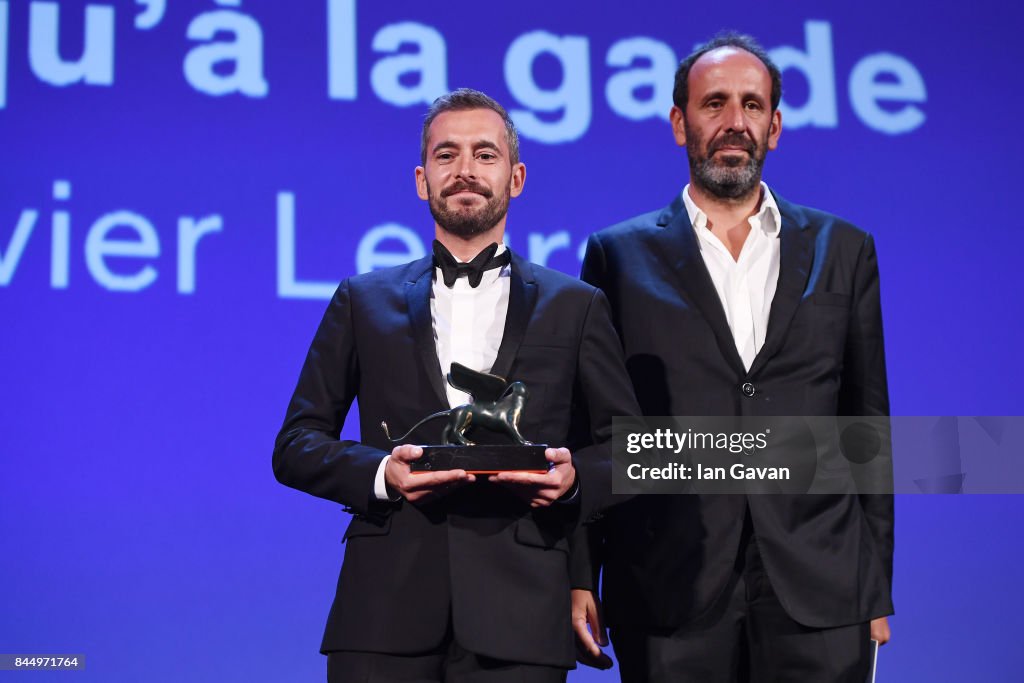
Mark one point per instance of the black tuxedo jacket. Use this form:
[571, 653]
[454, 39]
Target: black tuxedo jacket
[667, 558]
[478, 559]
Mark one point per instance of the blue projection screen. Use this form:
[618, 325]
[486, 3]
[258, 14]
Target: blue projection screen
[184, 183]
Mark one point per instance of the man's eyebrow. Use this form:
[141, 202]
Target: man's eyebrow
[444, 144]
[714, 95]
[486, 144]
[722, 95]
[478, 145]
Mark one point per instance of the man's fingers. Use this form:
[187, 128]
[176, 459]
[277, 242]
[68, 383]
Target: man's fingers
[880, 630]
[588, 652]
[586, 605]
[539, 497]
[584, 637]
[418, 486]
[539, 490]
[425, 487]
[592, 658]
[558, 455]
[435, 480]
[406, 453]
[523, 478]
[596, 622]
[596, 627]
[586, 624]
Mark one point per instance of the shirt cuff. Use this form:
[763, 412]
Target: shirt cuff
[380, 485]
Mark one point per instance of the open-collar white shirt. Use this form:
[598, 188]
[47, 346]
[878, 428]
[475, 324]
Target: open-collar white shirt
[745, 285]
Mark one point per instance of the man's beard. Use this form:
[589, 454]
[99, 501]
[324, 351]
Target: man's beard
[730, 177]
[465, 222]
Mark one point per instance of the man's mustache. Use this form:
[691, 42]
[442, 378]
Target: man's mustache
[733, 140]
[463, 186]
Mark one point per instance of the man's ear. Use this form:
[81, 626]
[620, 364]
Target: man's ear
[678, 120]
[421, 182]
[518, 180]
[775, 130]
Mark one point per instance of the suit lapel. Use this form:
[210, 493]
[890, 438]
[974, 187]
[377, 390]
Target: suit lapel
[795, 258]
[678, 244]
[522, 296]
[417, 293]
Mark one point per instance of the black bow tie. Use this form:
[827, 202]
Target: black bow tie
[451, 269]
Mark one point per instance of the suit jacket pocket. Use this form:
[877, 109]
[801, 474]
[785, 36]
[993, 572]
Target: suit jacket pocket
[528, 533]
[367, 526]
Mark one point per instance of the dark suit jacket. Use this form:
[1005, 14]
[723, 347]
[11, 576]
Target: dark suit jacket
[667, 558]
[479, 558]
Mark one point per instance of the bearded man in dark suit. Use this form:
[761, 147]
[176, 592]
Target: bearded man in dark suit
[733, 301]
[450, 575]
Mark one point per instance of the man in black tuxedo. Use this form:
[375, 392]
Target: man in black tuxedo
[734, 301]
[451, 575]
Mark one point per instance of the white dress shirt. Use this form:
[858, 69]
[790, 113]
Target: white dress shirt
[468, 323]
[745, 285]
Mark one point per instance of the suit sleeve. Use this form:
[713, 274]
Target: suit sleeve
[864, 387]
[587, 541]
[603, 391]
[308, 454]
[586, 548]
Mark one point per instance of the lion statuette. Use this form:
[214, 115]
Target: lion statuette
[497, 406]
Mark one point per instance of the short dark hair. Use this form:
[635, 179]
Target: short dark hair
[465, 99]
[681, 92]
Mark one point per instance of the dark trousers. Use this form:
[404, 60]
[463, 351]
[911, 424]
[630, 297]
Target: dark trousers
[450, 663]
[746, 637]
